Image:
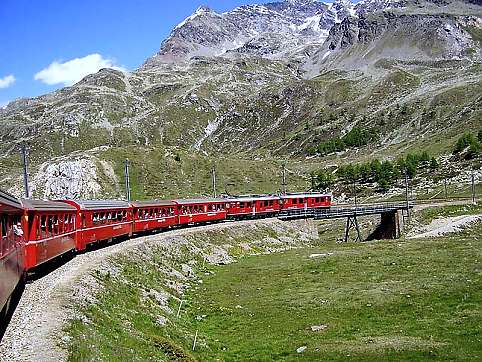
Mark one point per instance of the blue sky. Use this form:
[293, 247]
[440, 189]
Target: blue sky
[36, 33]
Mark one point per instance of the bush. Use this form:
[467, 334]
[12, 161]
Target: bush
[479, 136]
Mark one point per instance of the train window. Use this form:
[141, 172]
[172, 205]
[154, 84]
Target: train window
[241, 205]
[3, 234]
[50, 226]
[55, 223]
[3, 224]
[42, 227]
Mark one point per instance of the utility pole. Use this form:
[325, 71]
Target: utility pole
[312, 182]
[283, 182]
[128, 184]
[25, 171]
[354, 190]
[474, 201]
[407, 198]
[445, 187]
[213, 179]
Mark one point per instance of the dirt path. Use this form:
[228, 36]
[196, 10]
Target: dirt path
[422, 206]
[36, 326]
[444, 225]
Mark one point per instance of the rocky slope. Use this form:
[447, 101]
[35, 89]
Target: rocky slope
[257, 82]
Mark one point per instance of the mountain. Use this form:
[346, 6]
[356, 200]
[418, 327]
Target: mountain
[253, 86]
[279, 30]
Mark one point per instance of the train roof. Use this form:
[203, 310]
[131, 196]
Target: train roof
[99, 204]
[253, 198]
[8, 201]
[44, 205]
[198, 201]
[153, 203]
[294, 196]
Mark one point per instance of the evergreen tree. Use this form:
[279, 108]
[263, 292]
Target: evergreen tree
[376, 167]
[424, 158]
[324, 179]
[467, 140]
[434, 164]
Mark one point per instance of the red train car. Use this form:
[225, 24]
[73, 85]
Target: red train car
[11, 248]
[200, 210]
[101, 220]
[305, 201]
[50, 231]
[252, 206]
[153, 215]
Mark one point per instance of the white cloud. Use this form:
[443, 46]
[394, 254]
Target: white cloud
[7, 81]
[74, 70]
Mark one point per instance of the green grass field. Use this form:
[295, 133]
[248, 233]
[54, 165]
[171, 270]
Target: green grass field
[416, 300]
[384, 300]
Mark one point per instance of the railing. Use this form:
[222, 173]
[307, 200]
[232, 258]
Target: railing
[345, 211]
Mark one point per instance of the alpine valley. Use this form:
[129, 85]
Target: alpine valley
[253, 88]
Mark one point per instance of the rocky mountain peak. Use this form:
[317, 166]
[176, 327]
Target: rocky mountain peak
[203, 9]
[294, 29]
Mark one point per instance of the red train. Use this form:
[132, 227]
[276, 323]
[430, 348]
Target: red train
[33, 232]
[11, 248]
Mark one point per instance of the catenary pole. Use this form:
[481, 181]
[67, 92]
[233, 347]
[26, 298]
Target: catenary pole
[25, 171]
[407, 198]
[213, 179]
[128, 184]
[283, 183]
[474, 201]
